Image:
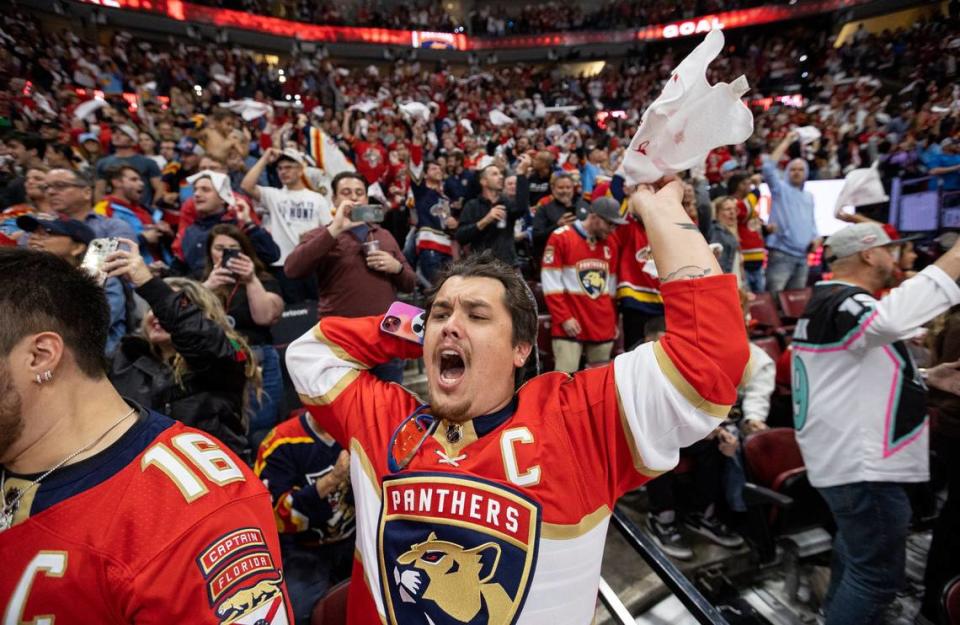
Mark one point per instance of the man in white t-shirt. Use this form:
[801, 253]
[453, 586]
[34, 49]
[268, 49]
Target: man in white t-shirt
[290, 211]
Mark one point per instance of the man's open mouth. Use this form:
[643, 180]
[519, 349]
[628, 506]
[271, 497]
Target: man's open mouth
[452, 366]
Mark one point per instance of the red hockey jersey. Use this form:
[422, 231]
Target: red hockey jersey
[639, 284]
[165, 526]
[579, 280]
[749, 229]
[507, 524]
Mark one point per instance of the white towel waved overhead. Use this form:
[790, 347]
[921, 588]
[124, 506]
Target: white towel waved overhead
[690, 118]
[499, 118]
[861, 187]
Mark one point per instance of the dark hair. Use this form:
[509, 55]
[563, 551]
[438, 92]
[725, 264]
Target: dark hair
[40, 292]
[346, 175]
[734, 181]
[114, 172]
[30, 141]
[235, 233]
[517, 296]
[654, 326]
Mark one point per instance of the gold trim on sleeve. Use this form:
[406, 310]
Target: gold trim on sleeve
[685, 388]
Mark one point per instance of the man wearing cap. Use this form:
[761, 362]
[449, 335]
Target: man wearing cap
[175, 174]
[859, 408]
[290, 212]
[487, 222]
[579, 283]
[68, 239]
[124, 139]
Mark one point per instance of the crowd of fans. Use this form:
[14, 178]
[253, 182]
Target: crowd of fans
[229, 214]
[487, 20]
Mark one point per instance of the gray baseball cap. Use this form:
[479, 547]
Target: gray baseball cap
[608, 208]
[859, 237]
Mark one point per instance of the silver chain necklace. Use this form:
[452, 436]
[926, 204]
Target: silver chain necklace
[10, 508]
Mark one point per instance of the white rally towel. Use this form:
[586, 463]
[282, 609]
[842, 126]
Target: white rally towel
[221, 184]
[690, 118]
[86, 109]
[415, 111]
[247, 108]
[499, 118]
[808, 134]
[861, 187]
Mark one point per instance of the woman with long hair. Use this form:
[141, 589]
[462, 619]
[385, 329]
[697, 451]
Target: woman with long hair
[723, 232]
[187, 361]
[251, 298]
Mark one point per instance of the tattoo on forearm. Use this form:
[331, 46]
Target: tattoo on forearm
[688, 226]
[687, 272]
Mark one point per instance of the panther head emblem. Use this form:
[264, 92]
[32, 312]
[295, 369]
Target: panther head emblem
[456, 583]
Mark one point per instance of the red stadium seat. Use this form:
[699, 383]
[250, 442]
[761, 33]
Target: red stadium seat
[772, 456]
[332, 609]
[769, 344]
[794, 302]
[951, 601]
[764, 312]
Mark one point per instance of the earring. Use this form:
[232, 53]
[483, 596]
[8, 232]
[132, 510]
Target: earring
[46, 376]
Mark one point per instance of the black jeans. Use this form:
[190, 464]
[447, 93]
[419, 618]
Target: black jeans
[634, 323]
[310, 573]
[707, 480]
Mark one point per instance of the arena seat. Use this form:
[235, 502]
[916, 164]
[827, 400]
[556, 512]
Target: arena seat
[332, 609]
[785, 503]
[950, 601]
[544, 343]
[794, 302]
[537, 291]
[764, 313]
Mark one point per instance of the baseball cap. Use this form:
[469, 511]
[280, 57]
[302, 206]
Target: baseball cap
[87, 136]
[128, 130]
[859, 237]
[292, 155]
[76, 230]
[608, 208]
[189, 145]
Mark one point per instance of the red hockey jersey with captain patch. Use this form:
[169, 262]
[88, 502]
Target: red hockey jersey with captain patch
[506, 521]
[579, 279]
[165, 526]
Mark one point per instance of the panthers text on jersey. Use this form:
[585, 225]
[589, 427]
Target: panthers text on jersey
[164, 526]
[506, 523]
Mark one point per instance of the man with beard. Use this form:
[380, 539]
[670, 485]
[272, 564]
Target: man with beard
[860, 409]
[111, 512]
[563, 209]
[459, 501]
[487, 222]
[124, 139]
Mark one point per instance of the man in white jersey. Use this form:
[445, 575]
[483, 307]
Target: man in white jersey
[290, 211]
[859, 409]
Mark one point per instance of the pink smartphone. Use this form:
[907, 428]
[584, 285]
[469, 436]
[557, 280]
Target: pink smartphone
[404, 321]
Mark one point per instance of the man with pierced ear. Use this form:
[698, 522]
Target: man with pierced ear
[111, 512]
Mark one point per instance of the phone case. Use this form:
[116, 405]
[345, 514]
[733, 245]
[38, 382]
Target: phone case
[404, 321]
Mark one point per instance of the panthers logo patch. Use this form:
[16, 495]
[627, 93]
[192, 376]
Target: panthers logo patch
[593, 277]
[455, 550]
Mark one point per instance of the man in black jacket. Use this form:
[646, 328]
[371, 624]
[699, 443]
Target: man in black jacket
[487, 222]
[563, 209]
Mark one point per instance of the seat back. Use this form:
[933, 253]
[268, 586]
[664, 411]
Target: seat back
[545, 343]
[332, 608]
[794, 302]
[764, 312]
[770, 454]
[951, 601]
[769, 344]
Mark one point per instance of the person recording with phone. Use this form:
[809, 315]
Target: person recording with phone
[359, 265]
[70, 239]
[186, 359]
[250, 295]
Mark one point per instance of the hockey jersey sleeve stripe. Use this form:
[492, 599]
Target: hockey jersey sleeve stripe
[272, 447]
[685, 388]
[658, 420]
[557, 531]
[640, 294]
[638, 463]
[554, 281]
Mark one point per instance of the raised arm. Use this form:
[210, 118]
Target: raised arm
[249, 182]
[679, 250]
